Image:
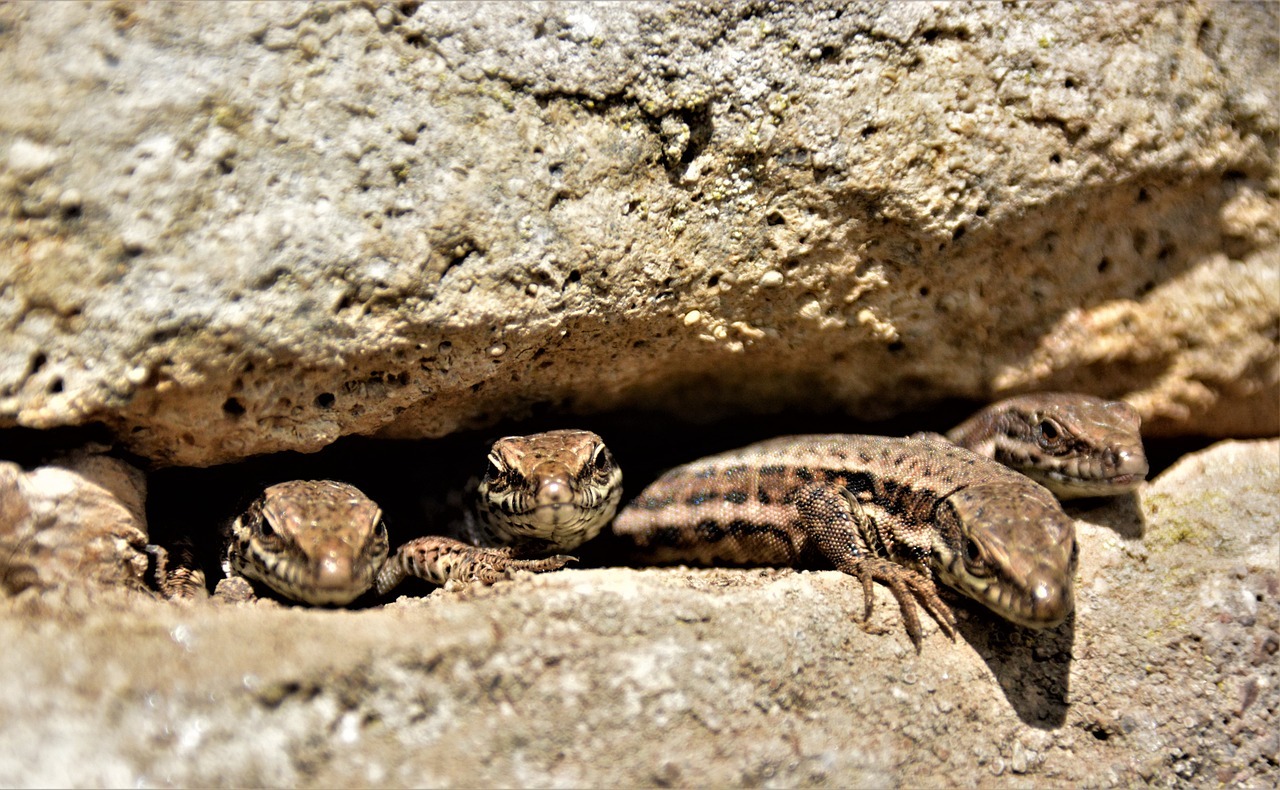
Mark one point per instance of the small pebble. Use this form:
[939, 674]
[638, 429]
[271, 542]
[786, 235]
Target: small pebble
[771, 279]
[692, 317]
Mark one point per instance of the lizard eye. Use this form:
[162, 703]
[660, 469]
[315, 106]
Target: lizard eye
[265, 530]
[601, 460]
[971, 551]
[493, 471]
[1047, 433]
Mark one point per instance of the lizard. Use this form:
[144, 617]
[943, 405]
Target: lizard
[1074, 445]
[313, 541]
[324, 542]
[540, 495]
[897, 511]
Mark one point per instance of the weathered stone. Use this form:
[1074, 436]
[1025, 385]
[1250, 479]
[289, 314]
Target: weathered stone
[227, 230]
[78, 526]
[621, 677]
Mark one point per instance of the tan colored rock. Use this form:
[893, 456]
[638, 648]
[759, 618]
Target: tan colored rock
[233, 230]
[78, 526]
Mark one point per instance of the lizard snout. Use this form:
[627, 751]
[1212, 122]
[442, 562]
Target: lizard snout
[1049, 601]
[334, 570]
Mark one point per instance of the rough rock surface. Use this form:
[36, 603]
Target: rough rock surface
[229, 230]
[76, 527]
[620, 677]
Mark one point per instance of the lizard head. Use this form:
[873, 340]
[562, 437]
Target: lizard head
[1010, 547]
[1074, 445]
[559, 488]
[314, 541]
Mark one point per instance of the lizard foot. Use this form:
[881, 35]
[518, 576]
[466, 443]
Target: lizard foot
[440, 560]
[183, 583]
[907, 587]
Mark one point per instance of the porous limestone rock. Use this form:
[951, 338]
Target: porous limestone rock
[234, 229]
[1166, 675]
[76, 527]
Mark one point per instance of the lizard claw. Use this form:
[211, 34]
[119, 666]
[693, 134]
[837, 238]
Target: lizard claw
[907, 587]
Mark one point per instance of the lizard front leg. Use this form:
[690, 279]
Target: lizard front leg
[439, 560]
[184, 582]
[844, 533]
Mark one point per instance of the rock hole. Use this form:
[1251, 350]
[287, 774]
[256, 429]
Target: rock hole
[1056, 158]
[1069, 83]
[775, 218]
[1103, 265]
[713, 281]
[1166, 251]
[38, 362]
[924, 290]
[1143, 197]
[958, 233]
[981, 211]
[1202, 34]
[325, 400]
[698, 120]
[867, 131]
[896, 346]
[233, 407]
[55, 386]
[556, 170]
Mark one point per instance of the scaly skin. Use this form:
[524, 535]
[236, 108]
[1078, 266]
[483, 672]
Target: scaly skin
[1074, 445]
[541, 494]
[899, 511]
[314, 541]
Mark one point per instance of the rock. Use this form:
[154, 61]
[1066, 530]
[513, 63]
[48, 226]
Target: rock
[244, 229]
[78, 527]
[615, 676]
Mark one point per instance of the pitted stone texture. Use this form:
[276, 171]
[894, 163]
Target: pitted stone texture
[77, 528]
[229, 230]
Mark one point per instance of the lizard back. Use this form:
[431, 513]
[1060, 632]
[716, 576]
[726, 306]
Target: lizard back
[925, 504]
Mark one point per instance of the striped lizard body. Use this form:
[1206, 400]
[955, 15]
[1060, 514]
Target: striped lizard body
[904, 511]
[898, 511]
